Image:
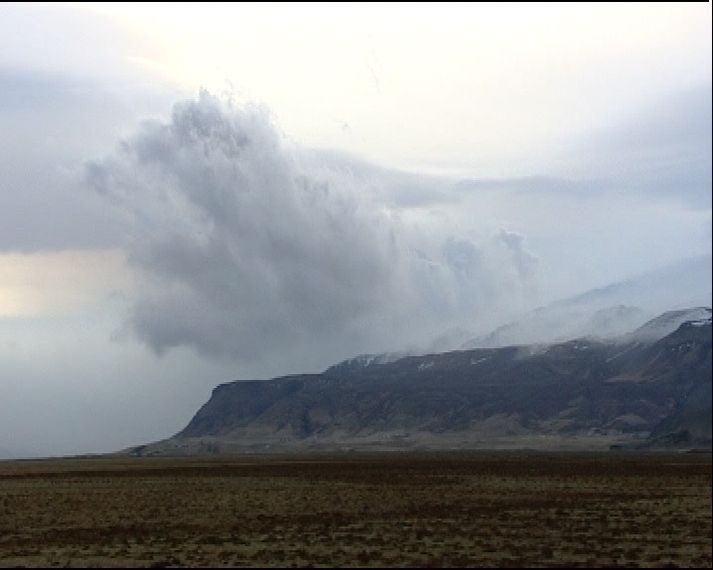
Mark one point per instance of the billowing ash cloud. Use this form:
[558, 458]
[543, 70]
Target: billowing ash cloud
[251, 247]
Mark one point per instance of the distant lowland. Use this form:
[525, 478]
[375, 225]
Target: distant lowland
[646, 388]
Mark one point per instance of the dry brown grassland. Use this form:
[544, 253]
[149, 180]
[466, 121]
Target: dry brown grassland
[479, 509]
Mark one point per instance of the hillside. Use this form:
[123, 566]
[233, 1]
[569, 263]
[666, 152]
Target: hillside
[580, 394]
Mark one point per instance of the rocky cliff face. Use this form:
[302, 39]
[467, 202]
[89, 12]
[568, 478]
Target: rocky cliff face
[576, 394]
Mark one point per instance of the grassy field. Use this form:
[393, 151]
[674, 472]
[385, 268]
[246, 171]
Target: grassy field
[393, 510]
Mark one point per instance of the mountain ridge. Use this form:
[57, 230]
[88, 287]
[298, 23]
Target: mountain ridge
[578, 394]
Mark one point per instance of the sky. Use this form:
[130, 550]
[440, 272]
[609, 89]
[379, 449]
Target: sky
[193, 194]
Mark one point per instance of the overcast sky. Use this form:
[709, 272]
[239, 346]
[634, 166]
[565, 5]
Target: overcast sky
[192, 194]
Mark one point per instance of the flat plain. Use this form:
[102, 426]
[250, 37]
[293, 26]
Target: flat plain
[434, 510]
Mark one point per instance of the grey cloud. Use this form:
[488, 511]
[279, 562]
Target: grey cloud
[664, 152]
[661, 153]
[251, 247]
[524, 262]
[50, 124]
